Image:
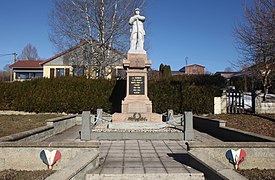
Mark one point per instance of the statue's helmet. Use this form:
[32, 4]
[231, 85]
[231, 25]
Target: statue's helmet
[137, 9]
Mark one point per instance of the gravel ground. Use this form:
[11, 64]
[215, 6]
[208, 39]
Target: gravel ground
[24, 175]
[259, 124]
[257, 174]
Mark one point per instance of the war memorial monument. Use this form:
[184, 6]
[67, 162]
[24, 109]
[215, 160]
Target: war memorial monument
[137, 106]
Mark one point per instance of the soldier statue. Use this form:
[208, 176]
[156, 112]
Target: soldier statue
[137, 33]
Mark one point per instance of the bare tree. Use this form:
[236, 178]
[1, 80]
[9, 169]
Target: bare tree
[102, 24]
[228, 69]
[256, 41]
[5, 73]
[29, 53]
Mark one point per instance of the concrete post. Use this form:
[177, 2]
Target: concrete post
[217, 105]
[86, 126]
[223, 104]
[188, 126]
[220, 104]
[170, 115]
[258, 102]
[99, 116]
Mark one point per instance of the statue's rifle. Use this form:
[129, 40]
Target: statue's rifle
[137, 34]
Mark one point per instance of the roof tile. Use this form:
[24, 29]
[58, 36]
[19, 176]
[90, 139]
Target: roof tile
[27, 64]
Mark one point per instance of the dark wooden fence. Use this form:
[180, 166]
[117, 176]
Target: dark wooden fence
[235, 101]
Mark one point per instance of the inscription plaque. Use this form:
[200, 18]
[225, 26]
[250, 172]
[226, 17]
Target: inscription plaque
[136, 85]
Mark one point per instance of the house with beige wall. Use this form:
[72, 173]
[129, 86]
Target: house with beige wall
[23, 70]
[73, 62]
[57, 67]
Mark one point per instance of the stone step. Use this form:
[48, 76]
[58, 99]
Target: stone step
[158, 176]
[137, 136]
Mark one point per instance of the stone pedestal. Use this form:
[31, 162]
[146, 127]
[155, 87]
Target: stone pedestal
[136, 106]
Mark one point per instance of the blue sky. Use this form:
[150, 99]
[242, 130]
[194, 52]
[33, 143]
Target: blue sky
[198, 29]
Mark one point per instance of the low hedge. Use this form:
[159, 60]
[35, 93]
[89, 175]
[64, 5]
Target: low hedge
[76, 94]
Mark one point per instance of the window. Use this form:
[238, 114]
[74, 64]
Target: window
[38, 75]
[60, 72]
[22, 75]
[28, 75]
[194, 67]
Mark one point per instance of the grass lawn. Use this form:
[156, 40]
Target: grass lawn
[11, 124]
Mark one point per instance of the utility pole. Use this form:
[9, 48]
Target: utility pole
[186, 63]
[14, 59]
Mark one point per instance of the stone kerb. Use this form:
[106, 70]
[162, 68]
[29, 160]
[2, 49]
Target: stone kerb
[26, 155]
[39, 133]
[62, 123]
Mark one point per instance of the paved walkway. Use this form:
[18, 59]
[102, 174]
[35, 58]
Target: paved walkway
[142, 157]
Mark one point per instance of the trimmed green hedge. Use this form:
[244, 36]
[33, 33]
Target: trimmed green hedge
[186, 92]
[67, 94]
[76, 94]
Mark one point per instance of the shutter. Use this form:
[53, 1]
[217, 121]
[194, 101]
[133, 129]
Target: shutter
[67, 71]
[52, 73]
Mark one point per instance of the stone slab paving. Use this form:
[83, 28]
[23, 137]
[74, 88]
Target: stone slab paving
[144, 158]
[140, 159]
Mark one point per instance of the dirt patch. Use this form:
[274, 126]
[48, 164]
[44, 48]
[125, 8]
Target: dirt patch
[24, 175]
[257, 174]
[11, 124]
[263, 125]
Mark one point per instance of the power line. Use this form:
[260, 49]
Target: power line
[14, 55]
[1, 55]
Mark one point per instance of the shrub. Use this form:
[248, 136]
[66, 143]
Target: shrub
[182, 93]
[76, 94]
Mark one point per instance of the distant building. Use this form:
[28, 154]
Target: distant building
[26, 70]
[193, 69]
[227, 74]
[177, 73]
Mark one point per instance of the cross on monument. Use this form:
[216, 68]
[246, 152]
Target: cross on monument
[137, 62]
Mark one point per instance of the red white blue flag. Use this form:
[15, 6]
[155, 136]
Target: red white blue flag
[235, 157]
[50, 158]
